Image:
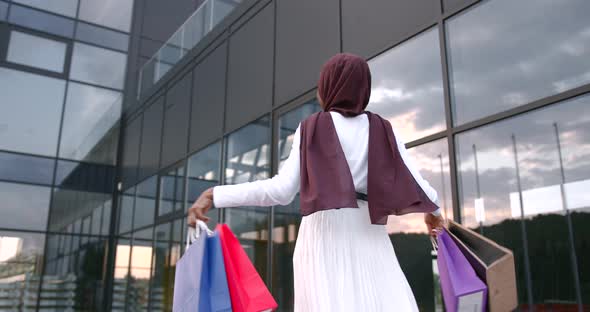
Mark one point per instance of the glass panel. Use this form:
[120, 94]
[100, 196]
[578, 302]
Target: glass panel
[197, 26]
[77, 286]
[121, 275]
[203, 172]
[91, 124]
[145, 202]
[161, 290]
[140, 270]
[71, 206]
[3, 10]
[96, 220]
[112, 13]
[24, 206]
[41, 21]
[26, 125]
[63, 7]
[102, 36]
[23, 49]
[514, 169]
[247, 153]
[99, 66]
[287, 218]
[529, 54]
[106, 218]
[221, 8]
[171, 191]
[407, 87]
[126, 203]
[21, 255]
[85, 177]
[23, 168]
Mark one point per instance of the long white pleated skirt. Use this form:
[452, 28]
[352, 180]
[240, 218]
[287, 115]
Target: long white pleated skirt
[342, 262]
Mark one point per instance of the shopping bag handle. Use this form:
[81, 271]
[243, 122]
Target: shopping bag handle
[194, 232]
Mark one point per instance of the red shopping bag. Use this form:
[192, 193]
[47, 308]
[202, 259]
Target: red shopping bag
[247, 291]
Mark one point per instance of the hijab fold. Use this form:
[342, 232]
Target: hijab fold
[326, 181]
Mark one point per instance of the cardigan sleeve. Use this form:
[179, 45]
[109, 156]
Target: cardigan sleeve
[279, 190]
[429, 190]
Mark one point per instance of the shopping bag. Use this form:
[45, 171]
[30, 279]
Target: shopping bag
[462, 290]
[247, 289]
[187, 280]
[492, 263]
[214, 292]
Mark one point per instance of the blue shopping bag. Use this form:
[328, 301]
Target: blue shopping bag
[187, 280]
[214, 292]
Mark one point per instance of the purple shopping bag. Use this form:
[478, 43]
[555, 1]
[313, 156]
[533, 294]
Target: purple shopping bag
[187, 280]
[461, 288]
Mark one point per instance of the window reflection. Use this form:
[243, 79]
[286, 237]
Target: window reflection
[24, 49]
[111, 13]
[121, 273]
[126, 207]
[101, 36]
[407, 87]
[499, 63]
[287, 218]
[3, 10]
[23, 168]
[161, 291]
[74, 277]
[26, 125]
[203, 172]
[171, 191]
[140, 269]
[85, 177]
[63, 7]
[72, 206]
[145, 202]
[247, 159]
[41, 21]
[24, 206]
[519, 176]
[98, 66]
[91, 124]
[20, 259]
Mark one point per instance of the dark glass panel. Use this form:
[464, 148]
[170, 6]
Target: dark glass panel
[126, 205]
[72, 206]
[24, 49]
[161, 289]
[29, 122]
[78, 285]
[106, 218]
[287, 218]
[98, 66]
[41, 21]
[102, 36]
[204, 168]
[24, 206]
[505, 53]
[90, 129]
[21, 255]
[145, 202]
[23, 168]
[111, 13]
[171, 191]
[248, 159]
[407, 87]
[3, 10]
[63, 7]
[85, 177]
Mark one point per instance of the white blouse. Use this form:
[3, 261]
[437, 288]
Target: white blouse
[353, 133]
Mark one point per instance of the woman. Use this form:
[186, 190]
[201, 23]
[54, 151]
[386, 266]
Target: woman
[351, 173]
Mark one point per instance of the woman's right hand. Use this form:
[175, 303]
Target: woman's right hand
[199, 209]
[433, 223]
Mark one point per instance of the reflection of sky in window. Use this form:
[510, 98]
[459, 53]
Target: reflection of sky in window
[432, 160]
[538, 161]
[24, 206]
[499, 63]
[21, 51]
[63, 7]
[407, 87]
[26, 125]
[90, 115]
[98, 66]
[111, 13]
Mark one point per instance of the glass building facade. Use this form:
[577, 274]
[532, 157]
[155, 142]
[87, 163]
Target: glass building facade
[98, 165]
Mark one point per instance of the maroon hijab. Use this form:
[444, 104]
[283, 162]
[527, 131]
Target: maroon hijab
[326, 181]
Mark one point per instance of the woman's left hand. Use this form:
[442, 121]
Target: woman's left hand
[200, 208]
